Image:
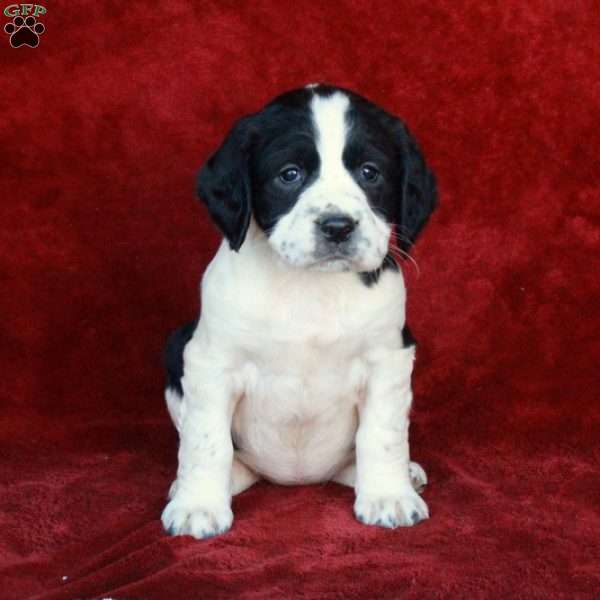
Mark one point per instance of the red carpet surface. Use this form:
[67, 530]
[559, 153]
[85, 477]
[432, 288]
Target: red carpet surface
[102, 244]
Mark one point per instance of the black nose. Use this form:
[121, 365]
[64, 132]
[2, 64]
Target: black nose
[337, 228]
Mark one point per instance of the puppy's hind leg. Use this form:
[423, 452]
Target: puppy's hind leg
[418, 477]
[242, 477]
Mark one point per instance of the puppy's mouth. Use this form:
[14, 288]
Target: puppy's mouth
[336, 260]
[334, 264]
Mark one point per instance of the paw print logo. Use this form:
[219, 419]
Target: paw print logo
[24, 32]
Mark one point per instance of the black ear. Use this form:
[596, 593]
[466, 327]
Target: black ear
[419, 191]
[224, 184]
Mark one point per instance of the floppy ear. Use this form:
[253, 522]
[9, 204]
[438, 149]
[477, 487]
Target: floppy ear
[419, 190]
[224, 184]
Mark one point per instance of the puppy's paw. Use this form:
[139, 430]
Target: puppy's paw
[418, 477]
[196, 519]
[402, 510]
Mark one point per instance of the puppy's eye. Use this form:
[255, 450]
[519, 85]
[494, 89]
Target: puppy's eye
[369, 173]
[291, 174]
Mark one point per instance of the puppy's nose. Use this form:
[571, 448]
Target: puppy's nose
[337, 228]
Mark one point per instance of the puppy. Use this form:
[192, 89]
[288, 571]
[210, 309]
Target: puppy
[299, 369]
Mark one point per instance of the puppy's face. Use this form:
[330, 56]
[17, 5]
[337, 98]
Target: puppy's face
[327, 175]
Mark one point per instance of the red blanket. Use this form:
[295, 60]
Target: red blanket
[102, 244]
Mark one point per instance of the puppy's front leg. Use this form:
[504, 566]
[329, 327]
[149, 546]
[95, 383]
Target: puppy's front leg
[201, 503]
[384, 494]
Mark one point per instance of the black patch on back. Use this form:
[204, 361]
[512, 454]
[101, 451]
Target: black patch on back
[370, 278]
[173, 355]
[408, 339]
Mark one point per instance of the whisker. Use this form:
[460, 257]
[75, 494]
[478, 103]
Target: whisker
[401, 238]
[398, 253]
[400, 232]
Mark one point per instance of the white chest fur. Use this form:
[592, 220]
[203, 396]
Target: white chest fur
[296, 425]
[295, 346]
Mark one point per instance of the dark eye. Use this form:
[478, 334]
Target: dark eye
[290, 174]
[369, 173]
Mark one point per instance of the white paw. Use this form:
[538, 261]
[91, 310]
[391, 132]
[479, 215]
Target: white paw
[400, 510]
[418, 477]
[196, 519]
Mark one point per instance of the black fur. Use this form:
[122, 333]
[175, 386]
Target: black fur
[173, 355]
[420, 196]
[224, 184]
[408, 339]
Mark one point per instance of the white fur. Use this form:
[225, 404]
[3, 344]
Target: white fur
[306, 369]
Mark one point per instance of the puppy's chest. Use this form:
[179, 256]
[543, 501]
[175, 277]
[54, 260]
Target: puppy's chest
[301, 365]
[305, 363]
[296, 419]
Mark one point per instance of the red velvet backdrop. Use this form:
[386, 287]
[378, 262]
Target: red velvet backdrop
[102, 246]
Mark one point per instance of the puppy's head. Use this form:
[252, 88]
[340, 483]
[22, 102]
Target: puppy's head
[328, 177]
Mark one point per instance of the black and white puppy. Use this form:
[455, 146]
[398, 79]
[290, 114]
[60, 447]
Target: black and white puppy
[299, 369]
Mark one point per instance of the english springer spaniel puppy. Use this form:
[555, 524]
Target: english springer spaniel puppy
[299, 368]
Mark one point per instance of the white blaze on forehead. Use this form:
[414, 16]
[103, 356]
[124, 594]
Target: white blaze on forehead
[329, 117]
